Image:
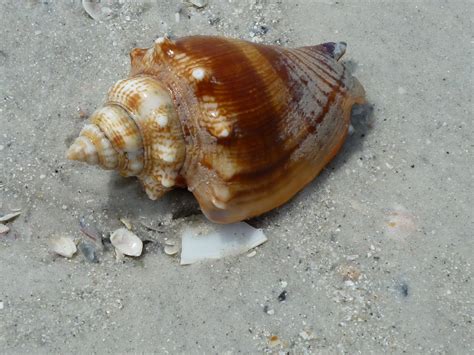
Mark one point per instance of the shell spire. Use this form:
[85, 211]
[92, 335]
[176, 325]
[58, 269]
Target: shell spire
[83, 150]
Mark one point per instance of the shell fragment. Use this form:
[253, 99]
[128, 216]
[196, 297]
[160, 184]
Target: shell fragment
[171, 249]
[126, 242]
[213, 241]
[63, 246]
[9, 216]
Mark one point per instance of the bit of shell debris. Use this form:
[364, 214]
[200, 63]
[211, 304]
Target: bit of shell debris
[119, 255]
[92, 233]
[63, 246]
[96, 10]
[4, 229]
[306, 335]
[198, 3]
[9, 216]
[89, 252]
[127, 242]
[150, 227]
[126, 222]
[171, 249]
[274, 341]
[170, 242]
[252, 254]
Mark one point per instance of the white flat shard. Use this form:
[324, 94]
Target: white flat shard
[9, 216]
[215, 241]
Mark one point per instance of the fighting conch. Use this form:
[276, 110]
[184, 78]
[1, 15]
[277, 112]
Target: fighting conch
[243, 126]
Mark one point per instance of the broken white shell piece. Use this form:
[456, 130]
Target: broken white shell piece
[215, 241]
[198, 3]
[171, 249]
[63, 246]
[3, 229]
[126, 242]
[9, 216]
[126, 222]
[97, 10]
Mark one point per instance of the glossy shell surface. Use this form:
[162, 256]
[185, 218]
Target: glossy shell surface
[243, 126]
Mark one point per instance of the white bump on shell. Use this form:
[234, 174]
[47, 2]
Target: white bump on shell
[218, 204]
[162, 120]
[167, 182]
[166, 153]
[198, 73]
[224, 133]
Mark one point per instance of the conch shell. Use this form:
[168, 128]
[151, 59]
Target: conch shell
[243, 126]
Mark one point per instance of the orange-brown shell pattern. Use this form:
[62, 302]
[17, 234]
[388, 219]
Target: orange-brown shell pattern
[248, 125]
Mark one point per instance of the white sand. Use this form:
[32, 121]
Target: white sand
[376, 253]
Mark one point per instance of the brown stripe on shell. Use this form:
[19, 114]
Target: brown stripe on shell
[240, 87]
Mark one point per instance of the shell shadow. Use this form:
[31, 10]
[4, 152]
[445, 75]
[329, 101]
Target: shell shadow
[362, 122]
[126, 197]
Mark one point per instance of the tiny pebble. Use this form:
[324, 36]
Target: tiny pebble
[352, 257]
[349, 283]
[282, 296]
[283, 284]
[251, 254]
[1, 305]
[271, 312]
[42, 176]
[305, 335]
[274, 341]
[64, 207]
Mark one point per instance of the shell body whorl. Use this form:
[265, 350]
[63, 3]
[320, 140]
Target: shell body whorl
[244, 126]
